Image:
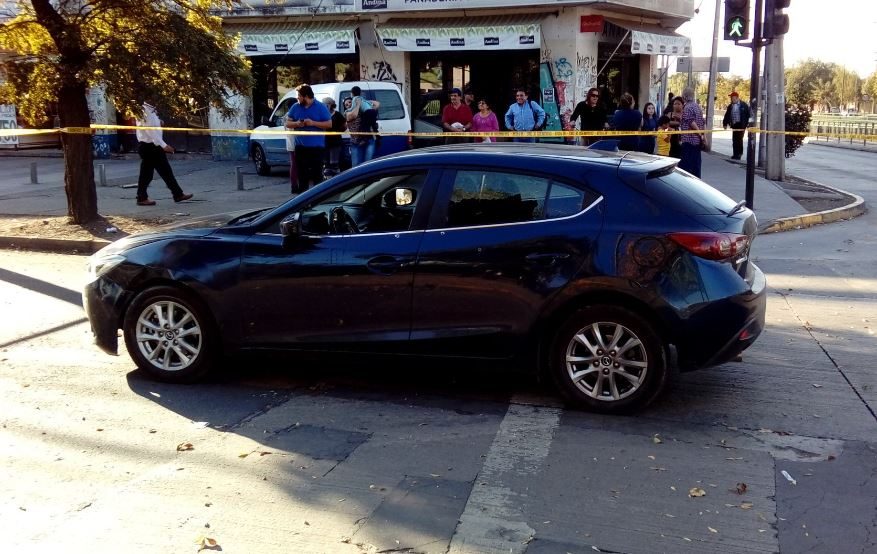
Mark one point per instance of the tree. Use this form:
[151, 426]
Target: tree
[172, 53]
[678, 81]
[800, 81]
[823, 93]
[847, 85]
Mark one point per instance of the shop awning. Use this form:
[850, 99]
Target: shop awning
[470, 33]
[653, 40]
[326, 37]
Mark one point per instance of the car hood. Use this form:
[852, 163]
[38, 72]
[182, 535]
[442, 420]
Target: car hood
[195, 227]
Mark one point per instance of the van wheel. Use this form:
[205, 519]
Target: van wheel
[260, 161]
[608, 359]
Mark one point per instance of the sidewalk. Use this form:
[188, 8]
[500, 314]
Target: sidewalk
[215, 188]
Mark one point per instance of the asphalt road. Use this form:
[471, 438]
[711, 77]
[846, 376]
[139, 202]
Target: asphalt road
[291, 455]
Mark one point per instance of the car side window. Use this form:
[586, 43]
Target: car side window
[383, 204]
[391, 102]
[491, 197]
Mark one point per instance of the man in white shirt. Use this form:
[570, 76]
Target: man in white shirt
[153, 152]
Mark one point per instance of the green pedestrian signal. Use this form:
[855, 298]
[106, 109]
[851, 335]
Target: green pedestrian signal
[736, 20]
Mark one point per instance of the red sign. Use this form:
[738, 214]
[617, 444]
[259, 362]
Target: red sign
[591, 24]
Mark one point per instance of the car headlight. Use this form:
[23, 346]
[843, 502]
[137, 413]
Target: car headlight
[98, 264]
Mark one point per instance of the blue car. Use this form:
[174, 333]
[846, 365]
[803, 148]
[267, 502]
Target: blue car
[601, 269]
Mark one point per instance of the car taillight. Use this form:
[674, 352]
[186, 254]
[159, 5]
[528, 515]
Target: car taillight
[712, 246]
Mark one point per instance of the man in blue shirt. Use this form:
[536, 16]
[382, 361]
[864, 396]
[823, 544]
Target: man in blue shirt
[309, 115]
[524, 115]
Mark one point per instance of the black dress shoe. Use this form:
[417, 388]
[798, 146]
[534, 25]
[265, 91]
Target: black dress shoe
[146, 202]
[183, 197]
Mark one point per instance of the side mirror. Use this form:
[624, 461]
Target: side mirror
[290, 227]
[399, 197]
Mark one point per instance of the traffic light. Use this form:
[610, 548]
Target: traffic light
[736, 20]
[776, 22]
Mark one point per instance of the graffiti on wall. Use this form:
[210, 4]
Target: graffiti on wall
[381, 71]
[586, 73]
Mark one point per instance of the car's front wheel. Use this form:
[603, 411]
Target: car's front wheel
[608, 359]
[169, 335]
[260, 161]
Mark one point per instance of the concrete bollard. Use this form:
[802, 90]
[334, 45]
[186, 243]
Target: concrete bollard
[33, 173]
[239, 176]
[102, 174]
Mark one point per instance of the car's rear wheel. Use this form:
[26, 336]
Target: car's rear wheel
[169, 335]
[608, 359]
[260, 161]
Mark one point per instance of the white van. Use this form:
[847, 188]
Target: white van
[268, 145]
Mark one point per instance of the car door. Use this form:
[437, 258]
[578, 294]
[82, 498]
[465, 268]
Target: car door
[345, 282]
[499, 244]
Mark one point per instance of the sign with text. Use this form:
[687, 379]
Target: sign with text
[591, 24]
[8, 121]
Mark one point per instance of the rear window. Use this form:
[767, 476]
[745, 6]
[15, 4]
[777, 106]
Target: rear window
[391, 103]
[689, 194]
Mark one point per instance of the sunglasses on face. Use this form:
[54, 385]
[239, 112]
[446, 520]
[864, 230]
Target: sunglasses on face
[594, 95]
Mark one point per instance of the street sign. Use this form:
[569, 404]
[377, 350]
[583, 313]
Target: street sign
[702, 65]
[7, 121]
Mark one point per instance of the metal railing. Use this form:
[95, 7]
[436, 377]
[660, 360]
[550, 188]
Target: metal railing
[864, 127]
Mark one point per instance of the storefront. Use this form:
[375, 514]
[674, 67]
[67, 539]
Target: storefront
[555, 50]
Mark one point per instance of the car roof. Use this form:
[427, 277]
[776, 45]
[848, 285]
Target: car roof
[325, 87]
[627, 160]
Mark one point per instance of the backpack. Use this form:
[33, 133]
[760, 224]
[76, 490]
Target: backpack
[544, 121]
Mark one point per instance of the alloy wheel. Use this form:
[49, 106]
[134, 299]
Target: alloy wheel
[606, 361]
[168, 335]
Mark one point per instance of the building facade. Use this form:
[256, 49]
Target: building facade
[556, 49]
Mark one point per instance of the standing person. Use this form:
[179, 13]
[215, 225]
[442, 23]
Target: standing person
[675, 116]
[469, 100]
[360, 120]
[153, 151]
[524, 115]
[627, 119]
[669, 107]
[650, 124]
[664, 138]
[456, 117]
[334, 143]
[737, 116]
[692, 143]
[484, 121]
[309, 115]
[593, 116]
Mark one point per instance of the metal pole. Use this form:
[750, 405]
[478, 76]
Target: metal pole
[33, 173]
[102, 174]
[755, 92]
[711, 94]
[239, 176]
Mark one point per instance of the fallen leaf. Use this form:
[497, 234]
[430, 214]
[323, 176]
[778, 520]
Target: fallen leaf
[686, 539]
[672, 488]
[741, 488]
[651, 457]
[712, 530]
[244, 455]
[153, 430]
[264, 453]
[183, 446]
[696, 492]
[746, 505]
[657, 439]
[207, 543]
[100, 429]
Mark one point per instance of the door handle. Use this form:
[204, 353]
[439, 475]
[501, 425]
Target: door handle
[548, 260]
[387, 265]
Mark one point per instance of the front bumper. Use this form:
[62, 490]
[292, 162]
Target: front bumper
[104, 302]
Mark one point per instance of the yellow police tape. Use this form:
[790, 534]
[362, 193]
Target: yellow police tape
[463, 134]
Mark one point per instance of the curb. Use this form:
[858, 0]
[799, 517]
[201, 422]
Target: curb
[854, 209]
[843, 146]
[60, 246]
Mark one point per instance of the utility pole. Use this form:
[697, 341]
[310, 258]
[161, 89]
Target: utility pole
[755, 93]
[775, 161]
[711, 89]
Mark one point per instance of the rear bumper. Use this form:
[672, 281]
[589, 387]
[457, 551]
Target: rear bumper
[724, 328]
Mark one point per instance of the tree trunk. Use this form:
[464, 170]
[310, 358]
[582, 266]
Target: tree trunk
[78, 155]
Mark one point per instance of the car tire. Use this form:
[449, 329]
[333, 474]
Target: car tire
[631, 361]
[260, 161]
[187, 351]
